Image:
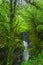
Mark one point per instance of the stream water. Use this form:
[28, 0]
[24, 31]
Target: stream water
[26, 52]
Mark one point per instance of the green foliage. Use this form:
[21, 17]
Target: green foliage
[27, 18]
[40, 28]
[35, 61]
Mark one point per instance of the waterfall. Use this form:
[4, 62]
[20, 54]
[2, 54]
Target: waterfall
[26, 52]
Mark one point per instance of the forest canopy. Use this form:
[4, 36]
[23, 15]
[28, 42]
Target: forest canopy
[19, 18]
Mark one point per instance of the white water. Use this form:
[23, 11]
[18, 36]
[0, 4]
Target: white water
[26, 52]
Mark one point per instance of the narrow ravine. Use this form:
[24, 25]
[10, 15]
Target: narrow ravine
[26, 52]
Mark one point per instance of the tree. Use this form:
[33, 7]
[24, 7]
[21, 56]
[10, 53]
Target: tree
[11, 34]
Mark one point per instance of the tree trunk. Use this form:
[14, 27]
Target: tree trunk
[11, 35]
